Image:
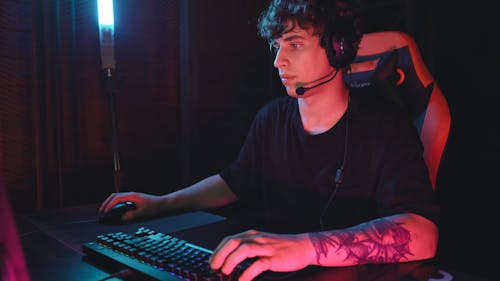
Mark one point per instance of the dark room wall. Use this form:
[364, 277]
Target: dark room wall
[465, 55]
[190, 76]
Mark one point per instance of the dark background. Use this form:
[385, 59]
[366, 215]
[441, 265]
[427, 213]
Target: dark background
[190, 75]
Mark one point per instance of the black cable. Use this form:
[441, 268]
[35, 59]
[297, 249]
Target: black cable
[339, 175]
[120, 274]
[109, 76]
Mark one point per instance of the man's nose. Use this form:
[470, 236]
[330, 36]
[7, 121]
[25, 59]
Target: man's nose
[280, 58]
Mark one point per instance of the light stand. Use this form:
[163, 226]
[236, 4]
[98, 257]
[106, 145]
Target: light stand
[106, 39]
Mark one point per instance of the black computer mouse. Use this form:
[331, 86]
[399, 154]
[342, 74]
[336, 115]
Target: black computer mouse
[114, 216]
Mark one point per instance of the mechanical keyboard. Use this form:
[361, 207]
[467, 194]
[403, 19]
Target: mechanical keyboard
[158, 256]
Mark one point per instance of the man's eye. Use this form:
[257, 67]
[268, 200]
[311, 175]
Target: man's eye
[295, 45]
[274, 47]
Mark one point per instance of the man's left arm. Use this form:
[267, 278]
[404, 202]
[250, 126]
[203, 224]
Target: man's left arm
[397, 238]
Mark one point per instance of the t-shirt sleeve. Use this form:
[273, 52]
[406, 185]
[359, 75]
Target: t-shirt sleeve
[404, 184]
[243, 173]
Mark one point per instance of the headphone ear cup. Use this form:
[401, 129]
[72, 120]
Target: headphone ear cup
[342, 52]
[329, 45]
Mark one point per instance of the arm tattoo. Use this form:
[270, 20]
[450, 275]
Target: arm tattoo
[380, 241]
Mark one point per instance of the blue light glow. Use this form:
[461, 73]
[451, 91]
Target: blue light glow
[105, 11]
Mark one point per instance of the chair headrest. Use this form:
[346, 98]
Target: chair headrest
[393, 68]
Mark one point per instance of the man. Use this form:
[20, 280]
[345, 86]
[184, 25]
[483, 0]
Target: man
[337, 173]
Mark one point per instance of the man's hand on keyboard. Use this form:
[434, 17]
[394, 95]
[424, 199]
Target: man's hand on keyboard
[275, 252]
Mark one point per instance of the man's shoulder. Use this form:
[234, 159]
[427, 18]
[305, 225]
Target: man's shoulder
[279, 102]
[273, 114]
[277, 105]
[371, 101]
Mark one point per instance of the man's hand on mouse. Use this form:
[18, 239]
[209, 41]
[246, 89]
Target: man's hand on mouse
[146, 205]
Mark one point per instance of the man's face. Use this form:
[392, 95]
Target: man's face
[300, 58]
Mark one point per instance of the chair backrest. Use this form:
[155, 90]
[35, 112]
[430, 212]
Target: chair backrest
[393, 59]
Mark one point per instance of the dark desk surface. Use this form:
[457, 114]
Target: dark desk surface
[52, 243]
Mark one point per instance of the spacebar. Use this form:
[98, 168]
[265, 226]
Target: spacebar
[97, 250]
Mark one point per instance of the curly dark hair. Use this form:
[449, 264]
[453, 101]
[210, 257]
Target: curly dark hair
[336, 22]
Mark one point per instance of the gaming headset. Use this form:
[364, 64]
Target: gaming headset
[340, 37]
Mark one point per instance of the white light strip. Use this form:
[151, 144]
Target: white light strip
[105, 11]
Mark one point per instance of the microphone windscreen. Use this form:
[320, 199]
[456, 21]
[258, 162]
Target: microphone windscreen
[300, 91]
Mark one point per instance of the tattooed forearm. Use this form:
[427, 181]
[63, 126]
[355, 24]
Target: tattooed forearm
[321, 243]
[380, 241]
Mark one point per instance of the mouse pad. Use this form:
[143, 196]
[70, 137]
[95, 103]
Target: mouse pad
[77, 225]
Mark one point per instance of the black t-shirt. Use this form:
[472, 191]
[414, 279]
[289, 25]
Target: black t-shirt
[284, 176]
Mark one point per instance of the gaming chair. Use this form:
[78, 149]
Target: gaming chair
[392, 59]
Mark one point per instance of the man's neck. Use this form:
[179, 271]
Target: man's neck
[322, 110]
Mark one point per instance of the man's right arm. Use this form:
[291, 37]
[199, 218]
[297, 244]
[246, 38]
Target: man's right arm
[209, 193]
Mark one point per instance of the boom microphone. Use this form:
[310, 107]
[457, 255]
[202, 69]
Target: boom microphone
[301, 90]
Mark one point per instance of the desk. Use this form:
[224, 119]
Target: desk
[52, 245]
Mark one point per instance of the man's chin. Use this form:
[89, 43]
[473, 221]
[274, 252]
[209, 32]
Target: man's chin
[290, 91]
